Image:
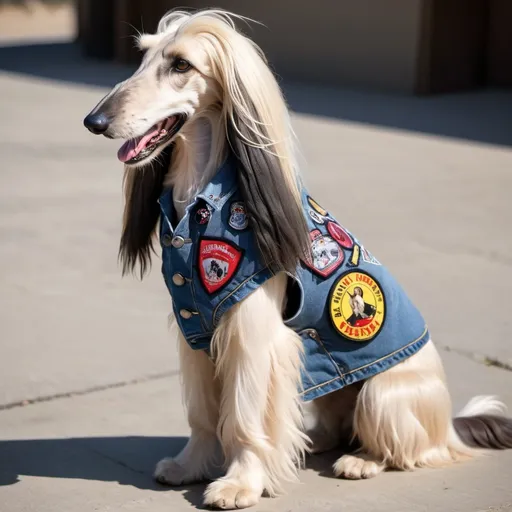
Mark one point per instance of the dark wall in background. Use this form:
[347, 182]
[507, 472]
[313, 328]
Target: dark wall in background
[342, 42]
[454, 45]
[499, 51]
[408, 46]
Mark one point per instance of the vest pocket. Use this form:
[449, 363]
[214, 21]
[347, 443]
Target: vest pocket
[318, 366]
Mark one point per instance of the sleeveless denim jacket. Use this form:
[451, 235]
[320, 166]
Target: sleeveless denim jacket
[352, 316]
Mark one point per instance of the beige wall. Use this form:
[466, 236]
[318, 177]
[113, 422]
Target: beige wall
[337, 42]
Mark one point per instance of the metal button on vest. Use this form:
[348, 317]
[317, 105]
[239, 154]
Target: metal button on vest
[178, 279]
[166, 240]
[186, 314]
[178, 242]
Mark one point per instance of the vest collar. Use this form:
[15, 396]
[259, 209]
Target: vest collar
[222, 186]
[216, 193]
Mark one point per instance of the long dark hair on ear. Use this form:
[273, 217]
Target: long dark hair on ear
[261, 137]
[258, 128]
[142, 188]
[273, 211]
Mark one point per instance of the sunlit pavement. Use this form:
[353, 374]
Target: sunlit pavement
[89, 391]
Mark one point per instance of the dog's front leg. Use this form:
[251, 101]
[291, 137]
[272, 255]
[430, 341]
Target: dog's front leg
[201, 454]
[258, 362]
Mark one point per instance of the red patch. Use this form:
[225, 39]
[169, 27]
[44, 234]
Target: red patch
[326, 255]
[340, 235]
[218, 262]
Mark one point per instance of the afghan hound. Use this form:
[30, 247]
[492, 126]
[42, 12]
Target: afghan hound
[292, 337]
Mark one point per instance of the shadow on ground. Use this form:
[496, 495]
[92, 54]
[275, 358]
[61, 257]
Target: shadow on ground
[126, 460]
[483, 116]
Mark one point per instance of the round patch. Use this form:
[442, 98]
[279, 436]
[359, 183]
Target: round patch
[238, 219]
[340, 235]
[203, 215]
[357, 306]
[317, 207]
[317, 218]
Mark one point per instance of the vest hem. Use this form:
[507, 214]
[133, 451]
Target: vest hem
[366, 371]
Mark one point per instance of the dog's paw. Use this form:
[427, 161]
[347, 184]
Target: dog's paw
[356, 468]
[228, 495]
[169, 472]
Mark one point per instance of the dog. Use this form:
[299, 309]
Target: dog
[280, 354]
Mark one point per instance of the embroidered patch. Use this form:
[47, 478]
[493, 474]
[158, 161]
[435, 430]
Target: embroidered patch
[203, 215]
[357, 306]
[326, 254]
[369, 257]
[340, 235]
[356, 253]
[317, 207]
[317, 218]
[218, 262]
[238, 218]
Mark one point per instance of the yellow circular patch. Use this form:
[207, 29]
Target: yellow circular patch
[357, 306]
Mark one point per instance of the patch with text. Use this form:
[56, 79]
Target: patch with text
[218, 262]
[357, 306]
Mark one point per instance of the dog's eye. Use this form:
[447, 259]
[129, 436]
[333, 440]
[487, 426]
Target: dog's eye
[181, 65]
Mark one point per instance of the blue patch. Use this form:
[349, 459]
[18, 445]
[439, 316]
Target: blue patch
[238, 219]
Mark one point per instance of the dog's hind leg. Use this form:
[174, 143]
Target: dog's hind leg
[403, 420]
[329, 420]
[201, 455]
[258, 361]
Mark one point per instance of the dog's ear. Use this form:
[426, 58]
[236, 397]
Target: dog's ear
[142, 188]
[273, 210]
[260, 135]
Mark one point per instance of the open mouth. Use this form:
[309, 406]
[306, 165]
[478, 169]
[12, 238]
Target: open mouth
[139, 148]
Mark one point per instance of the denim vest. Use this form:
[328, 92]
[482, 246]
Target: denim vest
[353, 318]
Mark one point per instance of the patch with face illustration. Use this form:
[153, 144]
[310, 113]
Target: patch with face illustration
[238, 216]
[326, 255]
[218, 262]
[357, 306]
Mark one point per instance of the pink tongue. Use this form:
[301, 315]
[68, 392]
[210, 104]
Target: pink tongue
[128, 150]
[131, 148]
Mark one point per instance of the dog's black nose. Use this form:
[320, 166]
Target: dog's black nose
[97, 123]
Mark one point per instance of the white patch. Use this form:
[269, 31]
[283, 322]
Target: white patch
[238, 219]
[316, 216]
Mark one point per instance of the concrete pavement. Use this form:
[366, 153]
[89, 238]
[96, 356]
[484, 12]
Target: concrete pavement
[94, 350]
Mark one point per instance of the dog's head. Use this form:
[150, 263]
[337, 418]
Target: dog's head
[174, 82]
[196, 64]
